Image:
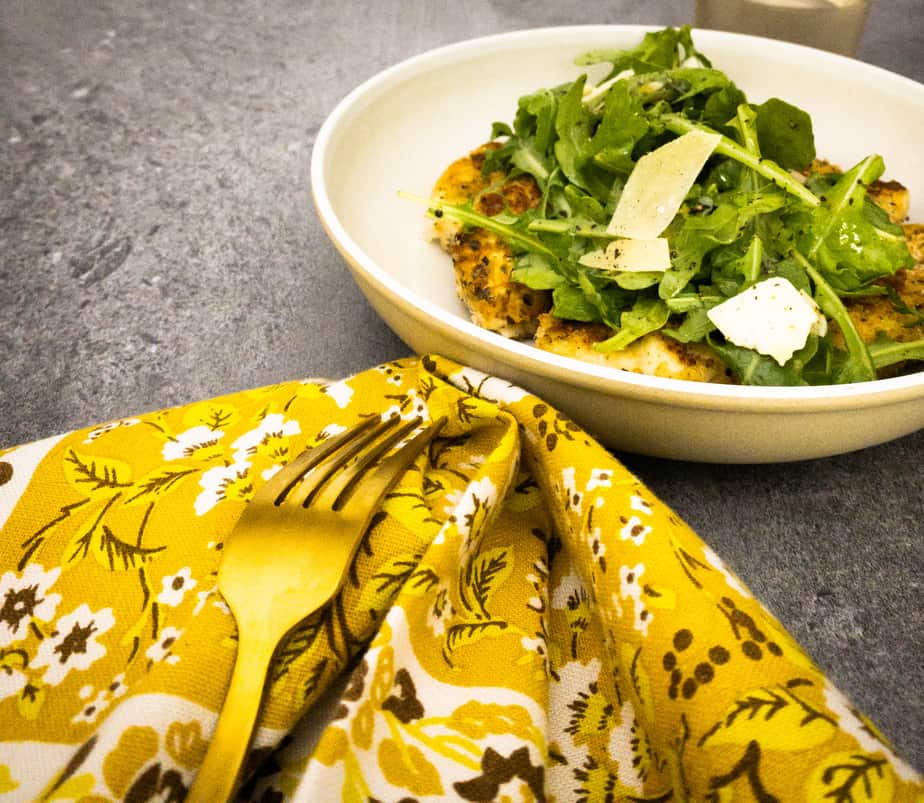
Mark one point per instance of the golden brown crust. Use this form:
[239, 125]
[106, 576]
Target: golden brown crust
[482, 260]
[914, 236]
[654, 354]
[892, 197]
[875, 315]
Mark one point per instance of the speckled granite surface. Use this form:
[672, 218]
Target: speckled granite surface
[158, 245]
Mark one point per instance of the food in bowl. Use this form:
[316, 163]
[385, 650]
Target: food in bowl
[660, 223]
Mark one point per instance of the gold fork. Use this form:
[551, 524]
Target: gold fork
[287, 556]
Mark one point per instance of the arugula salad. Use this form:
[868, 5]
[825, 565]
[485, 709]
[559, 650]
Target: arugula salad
[672, 204]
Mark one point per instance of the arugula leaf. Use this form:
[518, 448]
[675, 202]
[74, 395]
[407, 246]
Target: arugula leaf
[537, 272]
[574, 149]
[575, 226]
[885, 352]
[859, 367]
[608, 301]
[785, 134]
[728, 147]
[659, 50]
[529, 142]
[694, 326]
[733, 273]
[569, 303]
[720, 106]
[792, 271]
[636, 279]
[646, 315]
[851, 245]
[622, 127]
[694, 236]
[752, 368]
[514, 234]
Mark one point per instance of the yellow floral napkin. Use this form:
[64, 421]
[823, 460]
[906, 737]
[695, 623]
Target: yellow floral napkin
[524, 621]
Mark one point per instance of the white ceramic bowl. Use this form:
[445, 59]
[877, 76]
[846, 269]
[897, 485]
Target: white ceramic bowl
[400, 129]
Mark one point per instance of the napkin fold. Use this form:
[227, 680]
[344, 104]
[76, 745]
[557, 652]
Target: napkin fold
[524, 621]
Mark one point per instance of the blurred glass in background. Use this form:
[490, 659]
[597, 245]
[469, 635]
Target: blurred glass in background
[834, 25]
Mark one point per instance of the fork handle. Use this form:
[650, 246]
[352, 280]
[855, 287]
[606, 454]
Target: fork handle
[218, 776]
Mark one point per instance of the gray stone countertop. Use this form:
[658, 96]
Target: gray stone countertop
[158, 245]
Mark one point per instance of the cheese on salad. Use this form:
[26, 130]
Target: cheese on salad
[631, 255]
[658, 184]
[771, 317]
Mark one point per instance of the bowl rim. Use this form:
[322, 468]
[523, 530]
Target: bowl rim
[602, 379]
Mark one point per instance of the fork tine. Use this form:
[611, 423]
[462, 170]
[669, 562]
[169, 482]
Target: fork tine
[282, 481]
[320, 471]
[332, 492]
[377, 483]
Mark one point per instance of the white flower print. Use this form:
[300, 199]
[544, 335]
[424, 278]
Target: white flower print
[330, 430]
[93, 434]
[162, 649]
[630, 587]
[201, 599]
[413, 407]
[73, 644]
[595, 541]
[12, 681]
[452, 500]
[91, 711]
[340, 392]
[217, 602]
[268, 473]
[188, 443]
[24, 598]
[540, 582]
[574, 680]
[269, 439]
[224, 482]
[573, 498]
[633, 530]
[849, 721]
[118, 687]
[475, 462]
[480, 495]
[487, 387]
[636, 502]
[570, 587]
[718, 564]
[440, 613]
[93, 708]
[600, 478]
[175, 586]
[622, 747]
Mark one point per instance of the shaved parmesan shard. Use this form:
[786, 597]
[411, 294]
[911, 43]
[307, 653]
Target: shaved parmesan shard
[658, 184]
[772, 318]
[631, 255]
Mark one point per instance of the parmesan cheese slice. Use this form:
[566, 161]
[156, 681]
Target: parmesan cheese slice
[631, 255]
[658, 184]
[772, 317]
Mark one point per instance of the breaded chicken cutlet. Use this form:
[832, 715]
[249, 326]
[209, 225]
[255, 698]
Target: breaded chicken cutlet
[482, 260]
[483, 263]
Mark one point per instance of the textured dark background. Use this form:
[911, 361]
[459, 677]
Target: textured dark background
[158, 245]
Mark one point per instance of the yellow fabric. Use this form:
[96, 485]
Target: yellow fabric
[524, 621]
